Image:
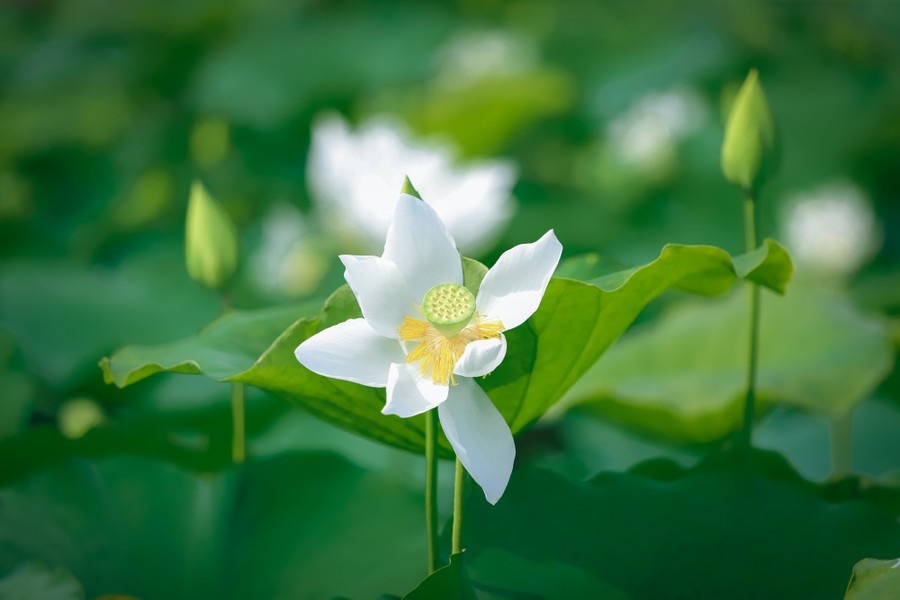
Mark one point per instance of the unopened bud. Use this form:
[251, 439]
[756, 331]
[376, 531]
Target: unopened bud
[748, 150]
[210, 241]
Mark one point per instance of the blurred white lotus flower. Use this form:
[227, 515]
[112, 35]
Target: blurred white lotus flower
[477, 54]
[287, 260]
[646, 133]
[354, 178]
[424, 336]
[831, 228]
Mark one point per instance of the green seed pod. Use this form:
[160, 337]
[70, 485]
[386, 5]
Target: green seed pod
[449, 307]
[749, 149]
[210, 241]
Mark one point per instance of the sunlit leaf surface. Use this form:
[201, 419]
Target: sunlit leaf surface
[683, 376]
[874, 580]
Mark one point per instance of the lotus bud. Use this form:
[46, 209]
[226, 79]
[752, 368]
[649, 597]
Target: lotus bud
[748, 151]
[210, 241]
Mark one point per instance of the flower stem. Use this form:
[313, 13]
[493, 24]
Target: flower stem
[750, 243]
[431, 487]
[237, 423]
[842, 445]
[458, 487]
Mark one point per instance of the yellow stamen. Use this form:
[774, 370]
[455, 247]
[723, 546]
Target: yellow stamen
[438, 354]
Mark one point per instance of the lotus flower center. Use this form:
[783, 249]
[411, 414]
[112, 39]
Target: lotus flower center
[449, 307]
[438, 343]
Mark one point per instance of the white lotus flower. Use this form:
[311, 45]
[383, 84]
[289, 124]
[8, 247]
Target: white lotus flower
[424, 335]
[354, 178]
[471, 56]
[645, 135]
[832, 228]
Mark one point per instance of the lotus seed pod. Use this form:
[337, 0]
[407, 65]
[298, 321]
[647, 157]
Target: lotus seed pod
[449, 307]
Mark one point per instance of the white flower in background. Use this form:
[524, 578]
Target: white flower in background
[423, 335]
[475, 55]
[831, 228]
[646, 133]
[354, 178]
[287, 260]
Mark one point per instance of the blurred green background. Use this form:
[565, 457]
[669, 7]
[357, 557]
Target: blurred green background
[612, 115]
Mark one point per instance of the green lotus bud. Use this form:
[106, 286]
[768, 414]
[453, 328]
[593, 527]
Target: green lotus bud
[409, 189]
[210, 240]
[749, 146]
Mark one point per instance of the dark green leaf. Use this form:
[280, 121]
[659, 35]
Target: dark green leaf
[500, 575]
[34, 580]
[712, 533]
[18, 399]
[300, 526]
[447, 583]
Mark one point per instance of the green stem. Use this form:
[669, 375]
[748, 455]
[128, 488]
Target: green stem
[842, 445]
[750, 243]
[237, 422]
[237, 402]
[431, 488]
[750, 239]
[458, 486]
[227, 306]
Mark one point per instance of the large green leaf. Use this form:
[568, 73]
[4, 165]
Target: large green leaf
[300, 526]
[701, 269]
[498, 575]
[874, 580]
[348, 405]
[683, 376]
[228, 345]
[447, 583]
[574, 325]
[710, 533]
[577, 323]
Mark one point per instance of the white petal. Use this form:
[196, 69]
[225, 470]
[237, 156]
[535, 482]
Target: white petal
[351, 351]
[475, 203]
[512, 289]
[329, 153]
[380, 290]
[409, 393]
[480, 437]
[420, 245]
[481, 357]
